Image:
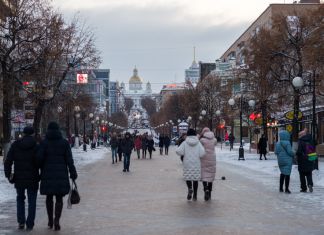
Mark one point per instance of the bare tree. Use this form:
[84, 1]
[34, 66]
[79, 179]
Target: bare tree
[129, 103]
[19, 34]
[149, 104]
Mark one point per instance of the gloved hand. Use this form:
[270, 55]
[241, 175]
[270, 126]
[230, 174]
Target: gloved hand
[73, 176]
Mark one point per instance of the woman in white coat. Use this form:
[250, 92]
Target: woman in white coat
[192, 150]
[208, 162]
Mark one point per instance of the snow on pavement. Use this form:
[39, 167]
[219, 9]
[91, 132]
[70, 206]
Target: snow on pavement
[269, 173]
[81, 158]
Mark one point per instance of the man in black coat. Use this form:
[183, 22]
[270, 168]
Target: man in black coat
[262, 146]
[167, 142]
[127, 147]
[22, 155]
[55, 159]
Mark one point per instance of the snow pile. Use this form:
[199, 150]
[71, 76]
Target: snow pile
[81, 158]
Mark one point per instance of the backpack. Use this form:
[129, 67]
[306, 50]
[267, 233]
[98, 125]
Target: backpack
[310, 151]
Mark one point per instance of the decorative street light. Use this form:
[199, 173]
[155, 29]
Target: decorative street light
[251, 103]
[203, 112]
[298, 83]
[76, 131]
[218, 112]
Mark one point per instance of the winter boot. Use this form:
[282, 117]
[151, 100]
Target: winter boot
[287, 179]
[195, 189]
[189, 196]
[210, 188]
[282, 179]
[58, 212]
[206, 190]
[49, 208]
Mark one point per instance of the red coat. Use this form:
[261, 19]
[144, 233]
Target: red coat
[138, 143]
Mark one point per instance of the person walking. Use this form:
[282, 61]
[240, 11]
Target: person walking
[285, 157]
[231, 139]
[120, 149]
[127, 147]
[114, 147]
[150, 145]
[208, 162]
[192, 150]
[161, 144]
[262, 147]
[138, 145]
[144, 146]
[166, 141]
[306, 147]
[56, 162]
[22, 155]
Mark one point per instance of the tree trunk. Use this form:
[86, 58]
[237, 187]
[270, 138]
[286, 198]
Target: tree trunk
[264, 118]
[6, 107]
[211, 124]
[38, 116]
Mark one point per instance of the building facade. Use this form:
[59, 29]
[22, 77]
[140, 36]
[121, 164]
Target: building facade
[172, 89]
[192, 74]
[136, 91]
[235, 51]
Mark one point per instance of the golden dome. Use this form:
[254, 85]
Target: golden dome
[135, 78]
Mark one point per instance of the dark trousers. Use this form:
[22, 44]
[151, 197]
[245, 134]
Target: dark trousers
[32, 196]
[166, 150]
[138, 153]
[303, 177]
[126, 161]
[284, 179]
[120, 156]
[50, 208]
[208, 186]
[264, 154]
[231, 146]
[150, 153]
[144, 153]
[161, 150]
[195, 187]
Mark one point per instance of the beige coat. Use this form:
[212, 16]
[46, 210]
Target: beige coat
[208, 162]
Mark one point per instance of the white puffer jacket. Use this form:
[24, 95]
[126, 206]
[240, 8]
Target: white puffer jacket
[192, 150]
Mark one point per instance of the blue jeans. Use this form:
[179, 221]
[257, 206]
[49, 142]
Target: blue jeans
[114, 154]
[126, 161]
[32, 196]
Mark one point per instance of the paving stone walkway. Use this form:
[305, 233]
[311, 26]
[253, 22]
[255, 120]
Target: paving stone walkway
[151, 200]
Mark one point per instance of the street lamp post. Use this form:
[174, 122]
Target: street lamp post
[98, 129]
[231, 102]
[84, 131]
[298, 83]
[76, 131]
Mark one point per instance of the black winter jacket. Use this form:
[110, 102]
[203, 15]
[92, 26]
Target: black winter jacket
[55, 158]
[304, 165]
[150, 144]
[23, 155]
[262, 145]
[127, 146]
[166, 141]
[113, 142]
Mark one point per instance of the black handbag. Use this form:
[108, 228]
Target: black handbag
[74, 196]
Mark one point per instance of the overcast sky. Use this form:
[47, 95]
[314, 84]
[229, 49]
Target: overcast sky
[158, 36]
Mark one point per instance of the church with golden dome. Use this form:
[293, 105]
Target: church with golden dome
[135, 88]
